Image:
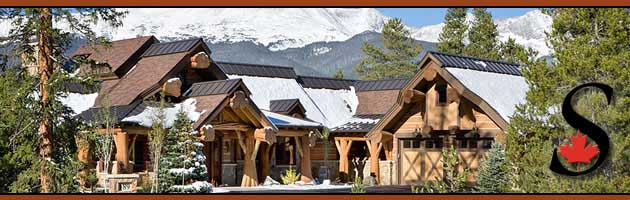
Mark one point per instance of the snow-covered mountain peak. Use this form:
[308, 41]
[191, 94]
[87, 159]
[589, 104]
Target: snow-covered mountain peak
[276, 28]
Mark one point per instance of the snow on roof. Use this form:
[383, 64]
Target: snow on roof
[265, 89]
[281, 120]
[78, 102]
[337, 105]
[170, 114]
[502, 91]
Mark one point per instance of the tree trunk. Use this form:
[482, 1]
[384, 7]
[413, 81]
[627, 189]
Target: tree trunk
[45, 70]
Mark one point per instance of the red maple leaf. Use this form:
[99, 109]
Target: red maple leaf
[579, 152]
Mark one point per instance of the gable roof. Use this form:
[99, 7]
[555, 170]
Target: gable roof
[478, 64]
[257, 70]
[145, 76]
[495, 93]
[214, 87]
[322, 82]
[119, 54]
[163, 48]
[386, 84]
[284, 105]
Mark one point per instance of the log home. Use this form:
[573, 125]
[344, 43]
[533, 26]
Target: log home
[258, 120]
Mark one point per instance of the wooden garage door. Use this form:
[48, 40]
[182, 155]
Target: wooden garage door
[420, 160]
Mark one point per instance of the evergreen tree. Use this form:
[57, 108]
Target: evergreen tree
[493, 172]
[510, 51]
[590, 45]
[482, 36]
[30, 23]
[183, 168]
[396, 60]
[338, 74]
[454, 31]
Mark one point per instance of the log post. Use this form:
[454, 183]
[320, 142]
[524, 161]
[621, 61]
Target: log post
[375, 149]
[200, 61]
[305, 162]
[248, 143]
[264, 160]
[122, 156]
[343, 146]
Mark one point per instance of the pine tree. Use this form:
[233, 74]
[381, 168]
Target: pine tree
[493, 173]
[590, 45]
[29, 23]
[482, 36]
[454, 31]
[338, 74]
[510, 51]
[396, 60]
[183, 168]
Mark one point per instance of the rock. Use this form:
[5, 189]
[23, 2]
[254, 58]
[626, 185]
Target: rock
[269, 182]
[369, 181]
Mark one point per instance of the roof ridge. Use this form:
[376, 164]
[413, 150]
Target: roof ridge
[474, 58]
[251, 64]
[328, 78]
[391, 79]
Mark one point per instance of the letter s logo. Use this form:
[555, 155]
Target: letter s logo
[593, 131]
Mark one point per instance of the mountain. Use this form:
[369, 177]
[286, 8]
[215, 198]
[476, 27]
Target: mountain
[528, 30]
[316, 41]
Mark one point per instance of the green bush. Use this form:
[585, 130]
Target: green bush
[290, 176]
[358, 186]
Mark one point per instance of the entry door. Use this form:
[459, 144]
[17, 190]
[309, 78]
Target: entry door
[420, 160]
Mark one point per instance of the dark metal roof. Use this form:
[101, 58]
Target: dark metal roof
[282, 105]
[257, 70]
[358, 126]
[212, 87]
[449, 60]
[171, 47]
[387, 84]
[328, 83]
[118, 113]
[79, 88]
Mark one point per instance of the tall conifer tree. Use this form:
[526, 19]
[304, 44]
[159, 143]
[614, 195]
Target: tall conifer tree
[396, 60]
[454, 31]
[482, 36]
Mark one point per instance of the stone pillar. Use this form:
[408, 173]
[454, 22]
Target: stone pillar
[122, 154]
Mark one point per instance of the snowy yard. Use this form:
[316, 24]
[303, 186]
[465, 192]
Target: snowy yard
[285, 188]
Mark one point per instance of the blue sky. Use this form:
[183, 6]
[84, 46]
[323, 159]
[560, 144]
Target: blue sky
[428, 16]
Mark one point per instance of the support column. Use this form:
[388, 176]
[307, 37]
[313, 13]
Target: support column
[343, 147]
[265, 160]
[375, 149]
[249, 146]
[122, 156]
[305, 161]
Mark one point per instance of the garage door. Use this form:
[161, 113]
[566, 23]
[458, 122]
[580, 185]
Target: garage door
[420, 160]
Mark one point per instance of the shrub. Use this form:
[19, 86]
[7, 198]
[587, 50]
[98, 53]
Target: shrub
[358, 186]
[290, 176]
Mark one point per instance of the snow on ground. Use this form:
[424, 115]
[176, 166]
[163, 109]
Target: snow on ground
[502, 91]
[78, 102]
[280, 120]
[288, 187]
[170, 113]
[337, 105]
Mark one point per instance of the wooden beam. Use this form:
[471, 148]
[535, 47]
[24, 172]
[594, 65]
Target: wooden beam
[265, 134]
[256, 147]
[131, 145]
[299, 146]
[291, 133]
[412, 96]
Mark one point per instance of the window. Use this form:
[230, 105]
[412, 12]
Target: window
[412, 143]
[434, 143]
[487, 144]
[441, 90]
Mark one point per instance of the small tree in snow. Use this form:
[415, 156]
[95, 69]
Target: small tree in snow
[102, 136]
[156, 140]
[183, 169]
[493, 173]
